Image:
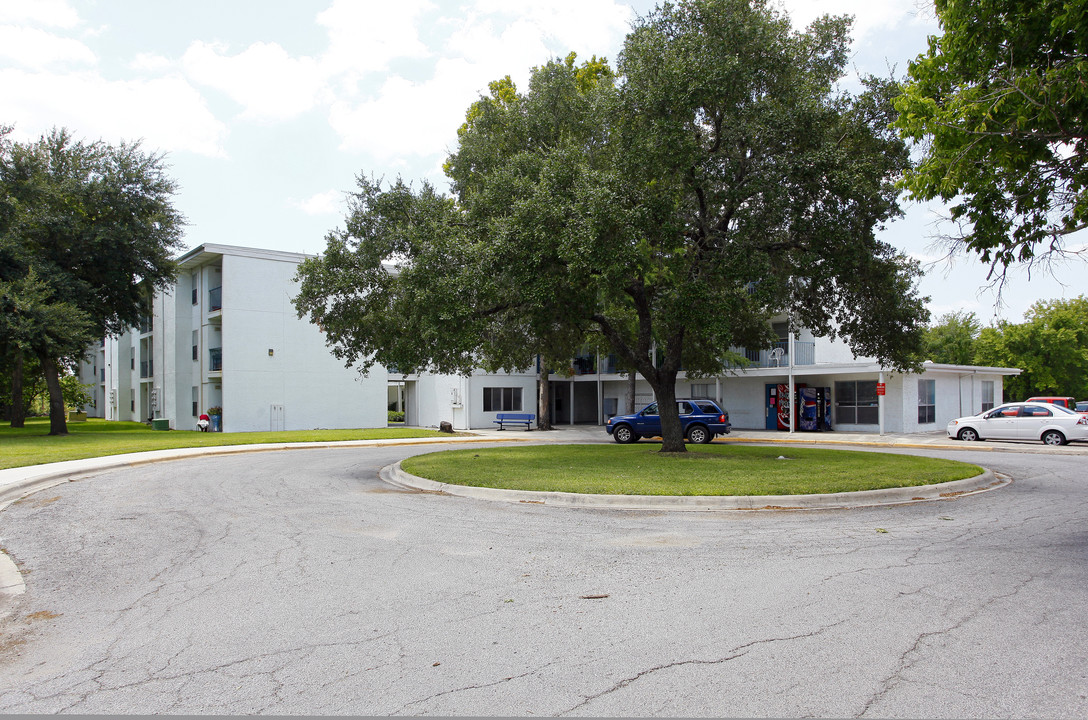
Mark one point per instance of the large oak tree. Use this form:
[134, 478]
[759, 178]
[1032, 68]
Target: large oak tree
[86, 229]
[714, 179]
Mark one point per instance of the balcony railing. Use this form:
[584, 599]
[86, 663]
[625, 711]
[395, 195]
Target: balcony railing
[215, 359]
[587, 364]
[215, 299]
[804, 353]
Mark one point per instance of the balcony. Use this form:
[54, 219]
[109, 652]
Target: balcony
[215, 299]
[215, 359]
[804, 353]
[587, 364]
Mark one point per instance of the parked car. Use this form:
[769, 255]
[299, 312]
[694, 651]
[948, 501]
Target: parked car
[1066, 402]
[700, 419]
[1053, 424]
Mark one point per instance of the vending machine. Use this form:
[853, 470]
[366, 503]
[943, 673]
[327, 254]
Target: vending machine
[815, 408]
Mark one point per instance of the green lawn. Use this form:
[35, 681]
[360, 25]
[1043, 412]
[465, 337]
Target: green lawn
[704, 470]
[94, 438]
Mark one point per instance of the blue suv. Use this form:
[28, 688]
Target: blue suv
[700, 419]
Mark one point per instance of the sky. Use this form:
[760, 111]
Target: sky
[267, 112]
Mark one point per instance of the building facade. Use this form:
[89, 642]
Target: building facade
[227, 335]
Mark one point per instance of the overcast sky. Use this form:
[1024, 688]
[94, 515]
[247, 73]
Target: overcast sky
[268, 111]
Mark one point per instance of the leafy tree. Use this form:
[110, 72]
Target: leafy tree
[55, 332]
[1050, 347]
[952, 339]
[714, 179]
[85, 228]
[1001, 102]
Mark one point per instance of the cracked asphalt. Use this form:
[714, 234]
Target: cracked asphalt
[298, 583]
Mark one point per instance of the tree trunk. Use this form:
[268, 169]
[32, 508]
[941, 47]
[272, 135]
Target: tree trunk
[672, 434]
[57, 423]
[18, 407]
[632, 378]
[544, 399]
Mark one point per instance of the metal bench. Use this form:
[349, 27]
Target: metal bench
[525, 419]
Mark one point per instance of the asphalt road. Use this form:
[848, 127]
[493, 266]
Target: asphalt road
[298, 583]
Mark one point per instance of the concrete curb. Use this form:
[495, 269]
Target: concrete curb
[395, 475]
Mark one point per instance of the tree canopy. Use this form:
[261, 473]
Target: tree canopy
[952, 338]
[1050, 347]
[1000, 104]
[715, 178]
[86, 228]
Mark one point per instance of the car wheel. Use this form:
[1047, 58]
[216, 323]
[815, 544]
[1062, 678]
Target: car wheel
[699, 434]
[968, 435]
[1053, 437]
[624, 434]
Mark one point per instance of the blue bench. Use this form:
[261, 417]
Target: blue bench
[525, 419]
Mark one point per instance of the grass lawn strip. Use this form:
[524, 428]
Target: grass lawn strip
[97, 438]
[704, 470]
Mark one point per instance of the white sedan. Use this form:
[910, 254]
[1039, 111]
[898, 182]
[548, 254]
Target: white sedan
[1052, 424]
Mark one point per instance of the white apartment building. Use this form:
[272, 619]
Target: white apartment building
[227, 335]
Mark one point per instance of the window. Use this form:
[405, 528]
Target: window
[196, 334]
[856, 402]
[194, 296]
[1035, 411]
[927, 401]
[196, 399]
[987, 395]
[502, 399]
[133, 356]
[702, 390]
[132, 399]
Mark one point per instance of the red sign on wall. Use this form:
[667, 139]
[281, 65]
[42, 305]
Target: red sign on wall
[880, 388]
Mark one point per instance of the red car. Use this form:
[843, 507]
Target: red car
[1066, 402]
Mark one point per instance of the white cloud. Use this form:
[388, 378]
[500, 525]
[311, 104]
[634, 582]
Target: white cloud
[407, 118]
[39, 49]
[330, 202]
[364, 37]
[167, 112]
[52, 13]
[150, 62]
[870, 16]
[264, 79]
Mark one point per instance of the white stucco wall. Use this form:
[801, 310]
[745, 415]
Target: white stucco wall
[300, 375]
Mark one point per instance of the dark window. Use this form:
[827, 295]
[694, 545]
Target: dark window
[856, 402]
[502, 399]
[1034, 411]
[194, 352]
[684, 408]
[194, 296]
[927, 401]
[987, 395]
